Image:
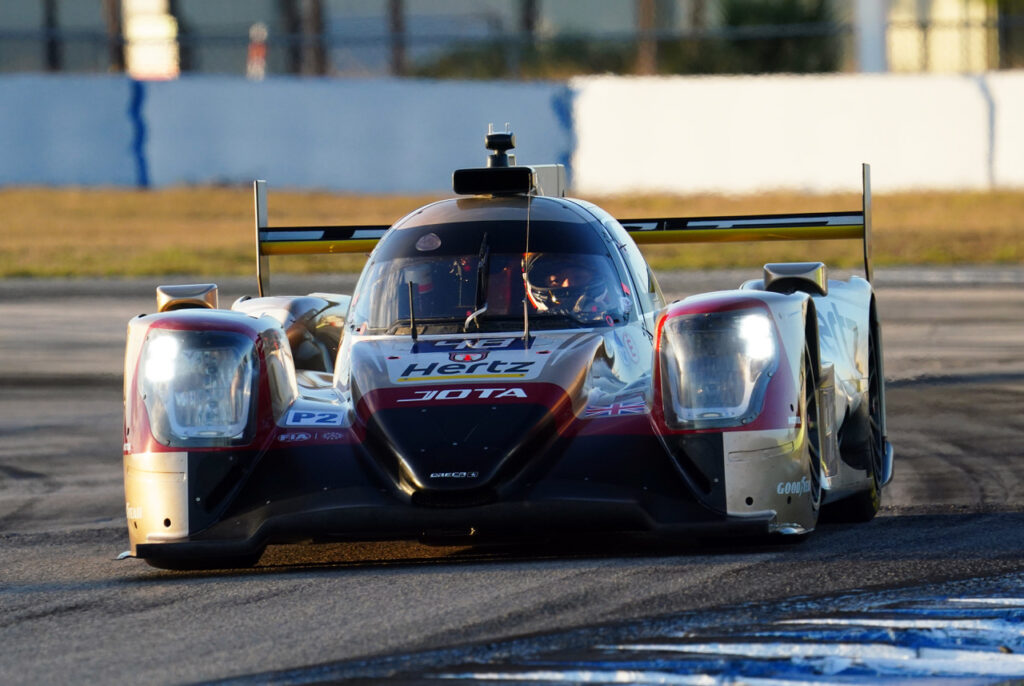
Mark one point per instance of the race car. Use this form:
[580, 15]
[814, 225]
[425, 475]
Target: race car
[506, 367]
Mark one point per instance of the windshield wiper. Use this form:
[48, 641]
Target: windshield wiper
[480, 298]
[421, 324]
[542, 319]
[412, 313]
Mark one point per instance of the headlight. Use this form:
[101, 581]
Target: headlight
[715, 368]
[198, 386]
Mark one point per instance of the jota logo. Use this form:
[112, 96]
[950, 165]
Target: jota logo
[464, 393]
[466, 357]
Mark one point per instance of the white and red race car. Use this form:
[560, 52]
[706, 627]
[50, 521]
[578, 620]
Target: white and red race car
[506, 367]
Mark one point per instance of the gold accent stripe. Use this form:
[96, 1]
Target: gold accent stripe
[738, 235]
[354, 245]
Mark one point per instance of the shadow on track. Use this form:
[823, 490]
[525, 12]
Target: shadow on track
[893, 539]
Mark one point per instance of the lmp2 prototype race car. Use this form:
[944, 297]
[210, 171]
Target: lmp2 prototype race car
[507, 367]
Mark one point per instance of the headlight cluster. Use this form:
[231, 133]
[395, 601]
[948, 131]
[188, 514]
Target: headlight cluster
[199, 387]
[715, 368]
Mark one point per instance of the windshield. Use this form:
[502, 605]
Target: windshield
[475, 277]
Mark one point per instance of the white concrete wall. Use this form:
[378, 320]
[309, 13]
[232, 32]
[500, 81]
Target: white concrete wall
[621, 134]
[66, 130]
[807, 133]
[363, 136]
[1007, 91]
[359, 136]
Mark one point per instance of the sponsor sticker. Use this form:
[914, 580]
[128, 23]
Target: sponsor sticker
[430, 368]
[294, 437]
[313, 418]
[463, 394]
[454, 475]
[630, 346]
[302, 436]
[794, 487]
[457, 344]
[467, 356]
[331, 435]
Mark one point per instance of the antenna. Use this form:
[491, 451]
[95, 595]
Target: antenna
[526, 278]
[412, 313]
[500, 143]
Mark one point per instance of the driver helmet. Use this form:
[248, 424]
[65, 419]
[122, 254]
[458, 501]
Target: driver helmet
[565, 284]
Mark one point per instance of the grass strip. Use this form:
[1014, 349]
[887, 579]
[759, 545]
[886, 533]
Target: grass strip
[209, 231]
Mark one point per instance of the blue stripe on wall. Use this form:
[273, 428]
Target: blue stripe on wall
[139, 133]
[358, 135]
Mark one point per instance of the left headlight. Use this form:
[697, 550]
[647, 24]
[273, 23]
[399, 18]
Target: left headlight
[715, 368]
[199, 387]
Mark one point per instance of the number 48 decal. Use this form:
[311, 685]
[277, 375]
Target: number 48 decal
[306, 418]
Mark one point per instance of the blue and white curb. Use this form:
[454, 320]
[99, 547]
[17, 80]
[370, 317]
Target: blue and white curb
[976, 638]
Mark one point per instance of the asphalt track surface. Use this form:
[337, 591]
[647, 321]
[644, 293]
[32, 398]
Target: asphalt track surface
[71, 613]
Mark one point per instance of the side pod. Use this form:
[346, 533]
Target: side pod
[735, 368]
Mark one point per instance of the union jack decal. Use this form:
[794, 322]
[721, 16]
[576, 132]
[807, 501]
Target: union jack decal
[632, 405]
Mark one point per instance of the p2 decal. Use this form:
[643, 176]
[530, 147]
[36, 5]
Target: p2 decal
[306, 418]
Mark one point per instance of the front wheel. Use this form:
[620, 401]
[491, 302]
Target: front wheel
[870, 451]
[813, 428]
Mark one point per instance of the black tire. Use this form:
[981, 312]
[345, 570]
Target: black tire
[810, 392]
[870, 451]
[810, 406]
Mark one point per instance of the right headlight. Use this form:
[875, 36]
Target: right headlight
[715, 368]
[199, 387]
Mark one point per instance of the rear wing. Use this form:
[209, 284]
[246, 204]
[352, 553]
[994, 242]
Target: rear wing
[304, 240]
[765, 227]
[315, 240]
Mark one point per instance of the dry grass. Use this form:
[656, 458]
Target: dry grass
[208, 231]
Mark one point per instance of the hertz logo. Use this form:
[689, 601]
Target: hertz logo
[495, 368]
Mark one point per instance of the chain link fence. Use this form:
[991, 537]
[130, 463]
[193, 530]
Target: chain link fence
[515, 39]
